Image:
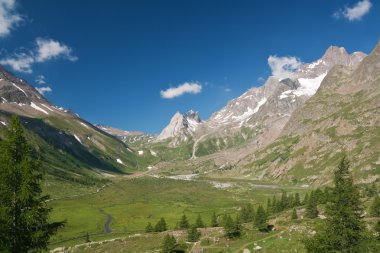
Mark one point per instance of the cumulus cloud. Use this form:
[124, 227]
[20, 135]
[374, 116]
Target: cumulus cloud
[8, 17]
[188, 87]
[356, 12]
[20, 62]
[43, 90]
[283, 67]
[40, 79]
[46, 49]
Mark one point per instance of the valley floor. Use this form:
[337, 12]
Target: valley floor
[114, 215]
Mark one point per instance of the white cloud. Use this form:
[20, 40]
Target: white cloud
[50, 49]
[260, 79]
[356, 12]
[227, 90]
[43, 90]
[40, 79]
[8, 17]
[46, 49]
[192, 88]
[20, 62]
[283, 67]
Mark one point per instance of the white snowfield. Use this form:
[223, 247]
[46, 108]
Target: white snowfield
[47, 107]
[2, 122]
[308, 87]
[38, 108]
[119, 161]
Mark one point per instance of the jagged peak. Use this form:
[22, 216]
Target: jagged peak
[334, 51]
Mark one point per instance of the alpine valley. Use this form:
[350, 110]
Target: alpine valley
[287, 135]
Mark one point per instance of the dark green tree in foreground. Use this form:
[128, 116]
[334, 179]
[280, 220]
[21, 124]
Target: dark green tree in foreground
[160, 226]
[184, 223]
[375, 208]
[294, 214]
[343, 230]
[24, 215]
[214, 220]
[231, 228]
[261, 219]
[193, 234]
[149, 228]
[168, 244]
[199, 222]
[312, 207]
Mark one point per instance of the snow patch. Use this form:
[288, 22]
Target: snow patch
[2, 122]
[47, 107]
[119, 161]
[153, 153]
[15, 85]
[140, 152]
[38, 108]
[309, 86]
[76, 137]
[83, 124]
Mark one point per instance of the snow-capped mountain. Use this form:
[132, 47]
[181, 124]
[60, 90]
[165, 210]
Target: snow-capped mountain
[260, 114]
[181, 128]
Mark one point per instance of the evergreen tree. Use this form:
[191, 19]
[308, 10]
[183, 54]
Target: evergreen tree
[246, 213]
[305, 199]
[231, 228]
[24, 215]
[168, 244]
[214, 220]
[343, 230]
[193, 234]
[160, 226]
[294, 214]
[269, 207]
[87, 238]
[275, 205]
[290, 201]
[375, 208]
[284, 201]
[312, 207]
[261, 219]
[183, 223]
[297, 200]
[149, 228]
[199, 222]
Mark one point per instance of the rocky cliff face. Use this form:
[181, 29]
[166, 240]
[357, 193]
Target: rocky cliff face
[341, 118]
[259, 115]
[181, 128]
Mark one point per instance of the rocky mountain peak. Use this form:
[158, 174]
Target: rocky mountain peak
[334, 52]
[191, 115]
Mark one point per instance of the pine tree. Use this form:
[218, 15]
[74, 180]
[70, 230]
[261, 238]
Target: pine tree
[246, 213]
[284, 201]
[375, 208]
[294, 214]
[193, 234]
[231, 228]
[24, 215]
[214, 220]
[312, 207]
[168, 244]
[343, 230]
[261, 219]
[297, 200]
[183, 223]
[149, 228]
[160, 226]
[305, 199]
[199, 222]
[269, 207]
[87, 238]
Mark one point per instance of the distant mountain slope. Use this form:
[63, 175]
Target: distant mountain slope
[342, 117]
[70, 147]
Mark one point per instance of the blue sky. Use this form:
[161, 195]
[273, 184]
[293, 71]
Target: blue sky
[111, 61]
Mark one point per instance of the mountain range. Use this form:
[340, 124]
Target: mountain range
[291, 128]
